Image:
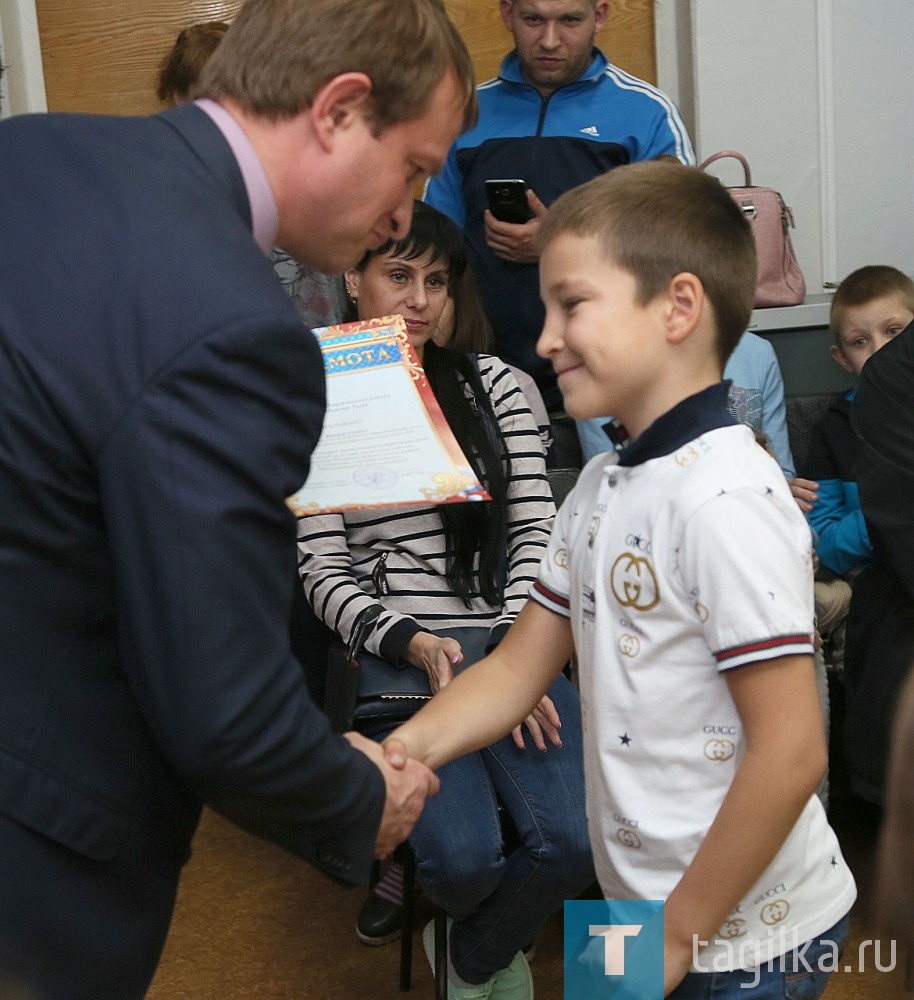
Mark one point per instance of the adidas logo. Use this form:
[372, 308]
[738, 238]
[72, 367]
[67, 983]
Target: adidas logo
[591, 130]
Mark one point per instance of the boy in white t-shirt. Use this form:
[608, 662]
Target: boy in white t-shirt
[679, 572]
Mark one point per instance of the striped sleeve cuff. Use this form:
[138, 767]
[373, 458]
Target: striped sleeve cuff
[550, 599]
[798, 644]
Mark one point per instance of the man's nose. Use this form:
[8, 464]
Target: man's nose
[401, 217]
[550, 36]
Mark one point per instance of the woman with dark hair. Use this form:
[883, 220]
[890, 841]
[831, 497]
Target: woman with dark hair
[435, 569]
[182, 64]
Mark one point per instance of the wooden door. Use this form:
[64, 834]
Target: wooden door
[103, 55]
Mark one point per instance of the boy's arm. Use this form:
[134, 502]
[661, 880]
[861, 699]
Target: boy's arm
[784, 760]
[843, 542]
[493, 696]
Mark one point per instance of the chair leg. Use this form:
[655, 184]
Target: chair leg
[375, 876]
[440, 954]
[409, 898]
[406, 941]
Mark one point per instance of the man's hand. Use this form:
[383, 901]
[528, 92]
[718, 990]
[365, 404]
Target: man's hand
[512, 241]
[408, 786]
[805, 492]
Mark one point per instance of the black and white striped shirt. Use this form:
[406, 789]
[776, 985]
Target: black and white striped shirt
[339, 554]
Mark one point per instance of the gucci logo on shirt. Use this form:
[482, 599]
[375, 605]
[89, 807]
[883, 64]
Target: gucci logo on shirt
[634, 583]
[719, 750]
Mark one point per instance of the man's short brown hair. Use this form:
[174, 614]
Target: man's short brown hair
[658, 218]
[863, 286]
[279, 53]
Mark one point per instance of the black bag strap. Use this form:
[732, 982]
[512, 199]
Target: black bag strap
[488, 418]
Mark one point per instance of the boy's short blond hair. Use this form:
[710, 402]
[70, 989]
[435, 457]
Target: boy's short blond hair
[864, 285]
[659, 218]
[279, 53]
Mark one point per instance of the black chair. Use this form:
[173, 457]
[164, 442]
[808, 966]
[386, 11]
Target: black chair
[561, 482]
[341, 689]
[340, 696]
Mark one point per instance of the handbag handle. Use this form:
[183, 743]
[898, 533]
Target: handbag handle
[730, 153]
[364, 623]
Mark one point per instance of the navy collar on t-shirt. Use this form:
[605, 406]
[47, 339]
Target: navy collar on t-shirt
[696, 415]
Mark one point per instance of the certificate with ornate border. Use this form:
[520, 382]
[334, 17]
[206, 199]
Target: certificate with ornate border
[385, 441]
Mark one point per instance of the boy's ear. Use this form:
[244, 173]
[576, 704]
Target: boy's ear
[684, 306]
[840, 357]
[338, 104]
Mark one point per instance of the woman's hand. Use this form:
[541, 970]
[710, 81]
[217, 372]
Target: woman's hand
[543, 719]
[436, 655]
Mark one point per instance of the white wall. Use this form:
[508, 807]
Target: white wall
[819, 96]
[22, 87]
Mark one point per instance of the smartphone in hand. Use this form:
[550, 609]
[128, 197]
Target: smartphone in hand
[508, 200]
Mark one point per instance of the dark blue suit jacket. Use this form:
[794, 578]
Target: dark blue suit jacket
[880, 623]
[159, 399]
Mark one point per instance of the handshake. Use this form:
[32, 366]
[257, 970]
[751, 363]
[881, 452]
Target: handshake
[408, 784]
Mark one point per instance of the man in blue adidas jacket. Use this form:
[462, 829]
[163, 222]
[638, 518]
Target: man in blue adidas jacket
[558, 114]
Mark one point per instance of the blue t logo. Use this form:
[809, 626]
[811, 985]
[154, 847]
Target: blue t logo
[613, 949]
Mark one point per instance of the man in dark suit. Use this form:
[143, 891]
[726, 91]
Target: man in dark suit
[158, 401]
[880, 622]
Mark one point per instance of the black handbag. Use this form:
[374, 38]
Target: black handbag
[370, 694]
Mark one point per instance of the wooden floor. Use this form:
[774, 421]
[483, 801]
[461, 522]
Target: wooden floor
[252, 921]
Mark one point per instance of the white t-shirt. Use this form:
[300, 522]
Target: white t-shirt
[687, 563]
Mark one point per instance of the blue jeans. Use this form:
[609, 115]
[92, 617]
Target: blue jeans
[787, 979]
[499, 902]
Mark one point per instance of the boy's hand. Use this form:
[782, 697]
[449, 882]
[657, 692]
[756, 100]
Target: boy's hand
[515, 242]
[805, 492]
[677, 959]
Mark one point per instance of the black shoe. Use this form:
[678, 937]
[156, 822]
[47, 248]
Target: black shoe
[380, 920]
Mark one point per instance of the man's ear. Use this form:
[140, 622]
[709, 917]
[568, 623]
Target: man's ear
[840, 357]
[602, 12]
[685, 300]
[506, 7]
[341, 102]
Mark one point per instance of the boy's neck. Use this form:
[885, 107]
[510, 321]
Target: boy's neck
[666, 397]
[689, 418]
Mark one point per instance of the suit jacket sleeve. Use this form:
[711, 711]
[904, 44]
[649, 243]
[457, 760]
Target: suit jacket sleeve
[193, 480]
[883, 416]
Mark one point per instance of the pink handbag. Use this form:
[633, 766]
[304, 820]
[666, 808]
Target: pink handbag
[780, 280]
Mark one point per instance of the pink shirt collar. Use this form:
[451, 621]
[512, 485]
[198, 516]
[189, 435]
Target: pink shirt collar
[264, 217]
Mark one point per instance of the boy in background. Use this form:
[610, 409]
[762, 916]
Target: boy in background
[679, 571]
[870, 307]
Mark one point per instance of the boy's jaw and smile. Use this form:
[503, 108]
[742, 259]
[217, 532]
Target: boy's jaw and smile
[596, 333]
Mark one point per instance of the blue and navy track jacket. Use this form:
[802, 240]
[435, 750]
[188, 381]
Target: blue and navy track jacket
[604, 119]
[843, 542]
